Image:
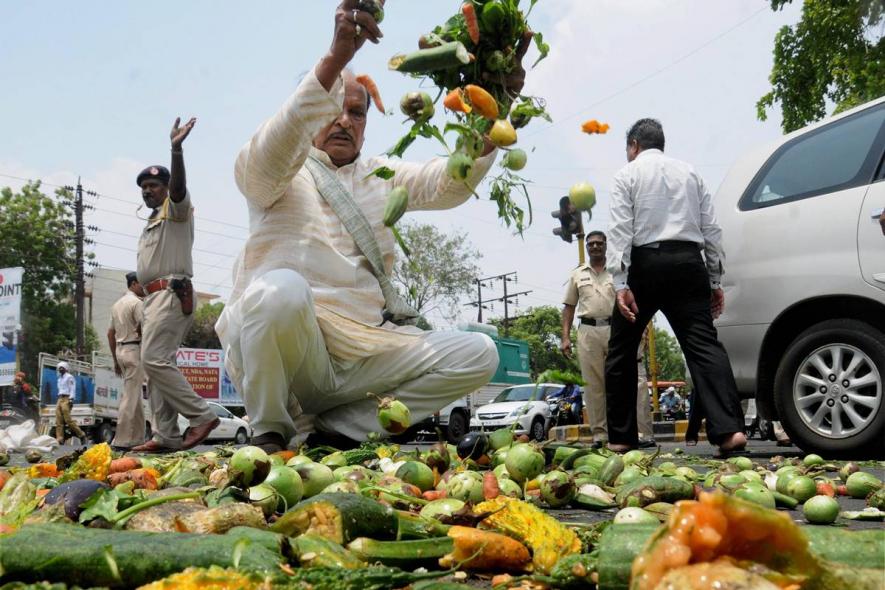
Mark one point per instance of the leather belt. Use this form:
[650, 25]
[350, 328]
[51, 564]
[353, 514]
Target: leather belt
[597, 321]
[157, 285]
[129, 342]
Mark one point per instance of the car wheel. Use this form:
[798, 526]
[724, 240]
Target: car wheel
[105, 432]
[538, 432]
[457, 428]
[829, 391]
[242, 437]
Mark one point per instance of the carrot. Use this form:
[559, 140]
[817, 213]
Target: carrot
[285, 454]
[490, 489]
[454, 101]
[483, 103]
[432, 495]
[372, 89]
[124, 464]
[41, 493]
[469, 12]
[144, 479]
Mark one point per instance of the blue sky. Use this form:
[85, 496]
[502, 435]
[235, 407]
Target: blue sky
[91, 89]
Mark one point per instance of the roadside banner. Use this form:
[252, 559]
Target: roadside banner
[204, 370]
[10, 321]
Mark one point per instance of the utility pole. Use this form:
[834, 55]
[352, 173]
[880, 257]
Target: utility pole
[79, 282]
[480, 302]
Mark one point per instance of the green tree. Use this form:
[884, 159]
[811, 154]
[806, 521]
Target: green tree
[541, 327]
[37, 234]
[835, 53]
[202, 333]
[441, 268]
[671, 363]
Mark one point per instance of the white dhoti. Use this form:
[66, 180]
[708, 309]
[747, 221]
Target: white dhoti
[276, 357]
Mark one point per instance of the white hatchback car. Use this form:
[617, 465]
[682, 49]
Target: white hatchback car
[516, 404]
[804, 321]
[231, 427]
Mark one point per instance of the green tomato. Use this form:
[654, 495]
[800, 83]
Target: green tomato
[821, 510]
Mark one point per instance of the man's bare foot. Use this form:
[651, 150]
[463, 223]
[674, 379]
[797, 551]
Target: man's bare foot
[736, 441]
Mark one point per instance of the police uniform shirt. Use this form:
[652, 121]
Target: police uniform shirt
[67, 386]
[126, 315]
[164, 249]
[591, 292]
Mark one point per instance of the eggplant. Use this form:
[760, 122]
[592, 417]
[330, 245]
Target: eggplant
[74, 494]
[473, 445]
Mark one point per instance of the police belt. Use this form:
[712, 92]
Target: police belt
[597, 321]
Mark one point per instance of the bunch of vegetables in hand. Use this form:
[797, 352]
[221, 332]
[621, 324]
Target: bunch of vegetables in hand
[475, 60]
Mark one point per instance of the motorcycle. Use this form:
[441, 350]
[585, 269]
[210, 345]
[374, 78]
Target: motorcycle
[566, 406]
[12, 414]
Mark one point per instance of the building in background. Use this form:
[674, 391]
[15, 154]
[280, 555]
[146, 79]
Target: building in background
[103, 288]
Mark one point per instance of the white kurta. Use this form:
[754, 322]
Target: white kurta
[291, 225]
[302, 330]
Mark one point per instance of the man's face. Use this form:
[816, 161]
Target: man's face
[137, 289]
[342, 140]
[596, 247]
[61, 371]
[632, 150]
[153, 192]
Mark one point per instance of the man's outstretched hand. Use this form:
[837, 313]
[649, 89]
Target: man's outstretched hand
[180, 132]
[352, 27]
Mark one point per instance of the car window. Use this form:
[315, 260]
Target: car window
[836, 157]
[516, 394]
[220, 411]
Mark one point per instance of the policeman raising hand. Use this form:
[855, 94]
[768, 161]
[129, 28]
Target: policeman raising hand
[165, 268]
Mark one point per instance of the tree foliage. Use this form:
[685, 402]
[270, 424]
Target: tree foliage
[37, 234]
[668, 354]
[541, 327]
[202, 333]
[441, 268]
[835, 53]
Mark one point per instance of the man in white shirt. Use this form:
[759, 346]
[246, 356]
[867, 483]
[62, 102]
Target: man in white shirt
[67, 393]
[661, 219]
[305, 332]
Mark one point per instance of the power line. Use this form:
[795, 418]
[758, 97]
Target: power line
[649, 76]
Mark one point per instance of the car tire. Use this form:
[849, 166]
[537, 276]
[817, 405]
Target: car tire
[457, 428]
[537, 430]
[105, 433]
[857, 345]
[242, 437]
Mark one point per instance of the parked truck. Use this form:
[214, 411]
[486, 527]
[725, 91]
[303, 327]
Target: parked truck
[513, 369]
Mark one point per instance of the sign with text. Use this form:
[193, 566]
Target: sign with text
[10, 321]
[204, 370]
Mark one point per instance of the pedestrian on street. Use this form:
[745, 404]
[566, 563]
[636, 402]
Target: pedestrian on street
[124, 340]
[644, 421]
[590, 295]
[314, 323]
[67, 395]
[23, 391]
[165, 268]
[662, 218]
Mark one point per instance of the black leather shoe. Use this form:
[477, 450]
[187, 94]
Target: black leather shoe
[269, 442]
[648, 443]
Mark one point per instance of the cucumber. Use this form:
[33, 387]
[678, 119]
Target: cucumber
[405, 554]
[654, 488]
[359, 456]
[444, 57]
[316, 551]
[339, 517]
[415, 526]
[611, 469]
[785, 501]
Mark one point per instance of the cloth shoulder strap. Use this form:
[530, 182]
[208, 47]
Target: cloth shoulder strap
[355, 222]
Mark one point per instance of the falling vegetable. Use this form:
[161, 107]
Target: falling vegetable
[393, 415]
[454, 101]
[470, 21]
[366, 82]
[594, 127]
[483, 103]
[397, 202]
[417, 106]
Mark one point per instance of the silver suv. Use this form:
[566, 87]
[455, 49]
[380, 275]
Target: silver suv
[804, 321]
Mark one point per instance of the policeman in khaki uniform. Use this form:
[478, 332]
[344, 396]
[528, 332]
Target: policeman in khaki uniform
[590, 295]
[124, 340]
[67, 395]
[165, 268]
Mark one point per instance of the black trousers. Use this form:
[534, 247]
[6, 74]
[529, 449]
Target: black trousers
[674, 280]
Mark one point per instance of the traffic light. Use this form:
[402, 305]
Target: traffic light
[569, 220]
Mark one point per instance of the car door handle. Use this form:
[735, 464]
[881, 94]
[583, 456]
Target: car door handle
[877, 213]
